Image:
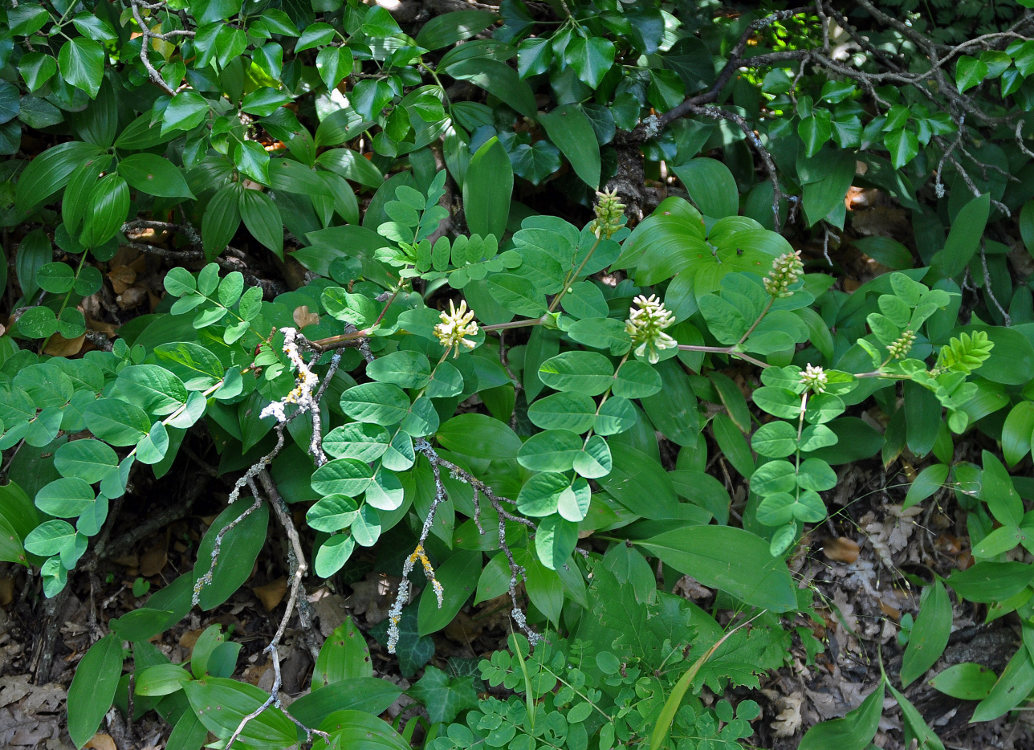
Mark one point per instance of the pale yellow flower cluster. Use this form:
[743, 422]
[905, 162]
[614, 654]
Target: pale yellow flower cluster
[646, 325]
[456, 325]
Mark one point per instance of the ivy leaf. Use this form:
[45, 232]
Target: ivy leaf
[444, 696]
[81, 62]
[535, 161]
[590, 58]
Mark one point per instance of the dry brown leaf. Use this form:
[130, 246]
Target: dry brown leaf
[303, 317]
[100, 741]
[59, 346]
[6, 591]
[153, 560]
[131, 297]
[121, 277]
[127, 561]
[272, 593]
[189, 638]
[841, 549]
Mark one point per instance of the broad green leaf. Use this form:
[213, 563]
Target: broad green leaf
[563, 411]
[480, 436]
[186, 111]
[1017, 431]
[343, 656]
[590, 58]
[555, 540]
[487, 188]
[333, 554]
[711, 186]
[153, 175]
[117, 422]
[853, 732]
[154, 389]
[588, 373]
[998, 491]
[407, 369]
[495, 77]
[67, 497]
[988, 582]
[518, 294]
[93, 688]
[1011, 689]
[926, 483]
[595, 460]
[967, 230]
[377, 403]
[444, 695]
[50, 171]
[776, 439]
[81, 62]
[332, 513]
[968, 681]
[367, 694]
[448, 28]
[222, 703]
[550, 450]
[195, 365]
[367, 442]
[237, 553]
[571, 131]
[969, 72]
[457, 577]
[262, 218]
[903, 145]
[929, 634]
[106, 210]
[342, 476]
[730, 559]
[161, 679]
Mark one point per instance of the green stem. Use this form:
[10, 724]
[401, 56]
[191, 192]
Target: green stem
[754, 325]
[728, 350]
[572, 276]
[515, 324]
[68, 294]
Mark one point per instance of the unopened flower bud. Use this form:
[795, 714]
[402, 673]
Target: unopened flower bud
[814, 378]
[900, 348]
[646, 325]
[609, 213]
[787, 269]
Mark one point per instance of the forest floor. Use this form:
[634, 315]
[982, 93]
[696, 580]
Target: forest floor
[866, 565]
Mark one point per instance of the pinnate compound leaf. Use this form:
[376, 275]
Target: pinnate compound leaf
[93, 688]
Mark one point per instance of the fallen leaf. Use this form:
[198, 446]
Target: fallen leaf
[153, 560]
[121, 278]
[303, 317]
[6, 591]
[272, 593]
[59, 346]
[841, 549]
[101, 741]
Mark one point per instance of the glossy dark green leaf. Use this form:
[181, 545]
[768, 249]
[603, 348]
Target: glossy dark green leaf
[220, 221]
[964, 237]
[186, 111]
[153, 175]
[81, 62]
[262, 218]
[222, 703]
[50, 171]
[487, 188]
[571, 131]
[449, 28]
[591, 58]
[711, 186]
[106, 210]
